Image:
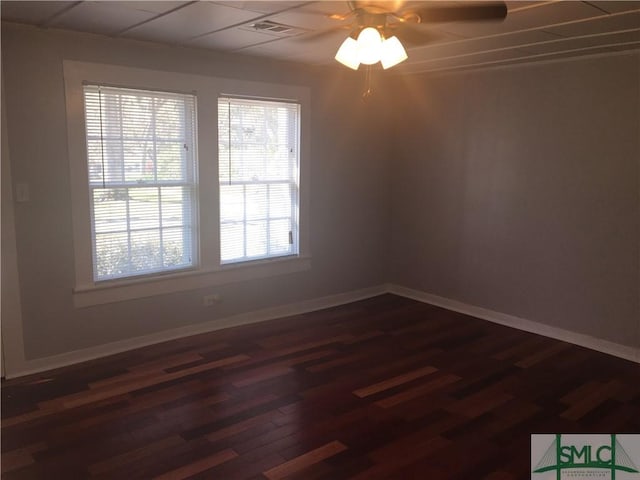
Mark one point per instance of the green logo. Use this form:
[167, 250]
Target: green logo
[608, 456]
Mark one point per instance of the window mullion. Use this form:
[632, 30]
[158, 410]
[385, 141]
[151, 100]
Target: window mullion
[128, 209]
[265, 166]
[122, 177]
[160, 229]
[268, 187]
[122, 157]
[155, 178]
[244, 222]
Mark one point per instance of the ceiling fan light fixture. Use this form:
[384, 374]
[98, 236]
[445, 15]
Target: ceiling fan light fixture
[392, 52]
[369, 46]
[348, 54]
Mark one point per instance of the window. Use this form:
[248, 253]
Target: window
[258, 164]
[142, 181]
[183, 191]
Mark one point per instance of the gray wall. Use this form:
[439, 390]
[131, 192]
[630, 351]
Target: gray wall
[511, 189]
[349, 188]
[516, 189]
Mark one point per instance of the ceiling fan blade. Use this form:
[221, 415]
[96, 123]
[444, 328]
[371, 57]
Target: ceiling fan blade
[413, 35]
[344, 16]
[459, 13]
[377, 6]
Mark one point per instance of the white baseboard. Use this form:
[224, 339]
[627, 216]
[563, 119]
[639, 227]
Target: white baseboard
[43, 364]
[587, 341]
[38, 365]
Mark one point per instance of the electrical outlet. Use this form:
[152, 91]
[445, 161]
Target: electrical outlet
[210, 300]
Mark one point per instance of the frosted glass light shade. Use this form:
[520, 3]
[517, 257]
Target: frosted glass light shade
[348, 54]
[369, 46]
[392, 53]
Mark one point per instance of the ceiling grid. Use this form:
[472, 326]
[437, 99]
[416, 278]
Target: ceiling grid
[532, 31]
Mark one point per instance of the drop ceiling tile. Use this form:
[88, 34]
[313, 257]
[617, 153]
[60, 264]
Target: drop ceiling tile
[314, 59]
[436, 37]
[471, 49]
[304, 59]
[624, 21]
[279, 54]
[261, 6]
[556, 12]
[592, 51]
[327, 7]
[620, 48]
[297, 47]
[156, 7]
[31, 12]
[189, 22]
[258, 51]
[101, 17]
[315, 20]
[516, 5]
[489, 59]
[231, 39]
[481, 29]
[617, 6]
[571, 44]
[518, 39]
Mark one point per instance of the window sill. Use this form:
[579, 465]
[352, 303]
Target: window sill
[111, 292]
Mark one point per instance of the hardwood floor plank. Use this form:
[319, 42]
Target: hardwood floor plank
[337, 362]
[417, 391]
[142, 371]
[303, 461]
[580, 392]
[132, 456]
[480, 402]
[83, 399]
[16, 459]
[389, 466]
[260, 374]
[311, 345]
[394, 382]
[384, 388]
[199, 466]
[544, 354]
[243, 426]
[588, 402]
[242, 468]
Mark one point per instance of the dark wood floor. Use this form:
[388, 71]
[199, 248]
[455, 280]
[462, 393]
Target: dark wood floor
[383, 388]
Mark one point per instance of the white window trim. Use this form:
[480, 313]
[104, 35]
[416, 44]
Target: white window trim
[209, 271]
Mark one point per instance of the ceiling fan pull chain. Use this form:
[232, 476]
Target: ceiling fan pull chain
[368, 90]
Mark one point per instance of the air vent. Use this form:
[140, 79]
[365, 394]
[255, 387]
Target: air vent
[273, 28]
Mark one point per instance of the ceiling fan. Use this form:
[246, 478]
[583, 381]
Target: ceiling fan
[378, 29]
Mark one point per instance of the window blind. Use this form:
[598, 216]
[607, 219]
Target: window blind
[142, 180]
[258, 145]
